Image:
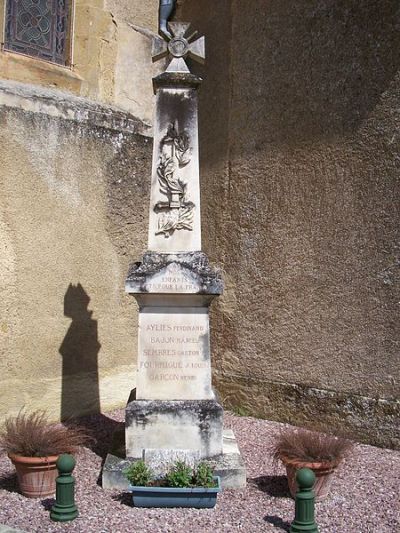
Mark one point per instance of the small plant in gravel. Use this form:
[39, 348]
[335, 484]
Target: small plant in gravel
[32, 435]
[138, 474]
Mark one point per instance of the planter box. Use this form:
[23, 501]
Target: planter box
[198, 497]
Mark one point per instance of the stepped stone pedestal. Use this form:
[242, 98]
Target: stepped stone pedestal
[175, 409]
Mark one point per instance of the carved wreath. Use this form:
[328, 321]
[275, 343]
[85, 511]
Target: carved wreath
[177, 213]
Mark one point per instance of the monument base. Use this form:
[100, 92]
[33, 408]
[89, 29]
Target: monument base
[228, 465]
[180, 424]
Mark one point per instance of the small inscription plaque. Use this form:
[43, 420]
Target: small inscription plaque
[174, 354]
[173, 279]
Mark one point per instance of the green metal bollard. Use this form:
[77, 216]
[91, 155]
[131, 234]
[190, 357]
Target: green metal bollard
[64, 509]
[305, 503]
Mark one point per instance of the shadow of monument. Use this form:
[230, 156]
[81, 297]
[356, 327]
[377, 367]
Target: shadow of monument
[79, 351]
[104, 432]
[276, 486]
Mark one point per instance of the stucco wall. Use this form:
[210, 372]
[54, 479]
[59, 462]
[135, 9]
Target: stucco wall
[300, 203]
[73, 205]
[110, 55]
[305, 209]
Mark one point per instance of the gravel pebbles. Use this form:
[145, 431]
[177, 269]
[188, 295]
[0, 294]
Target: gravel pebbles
[364, 497]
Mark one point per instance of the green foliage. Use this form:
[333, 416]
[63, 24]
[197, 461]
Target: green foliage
[203, 476]
[138, 474]
[180, 475]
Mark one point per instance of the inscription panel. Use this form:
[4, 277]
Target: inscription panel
[174, 354]
[173, 279]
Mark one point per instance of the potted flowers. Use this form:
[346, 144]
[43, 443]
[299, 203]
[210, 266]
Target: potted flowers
[300, 448]
[181, 486]
[33, 445]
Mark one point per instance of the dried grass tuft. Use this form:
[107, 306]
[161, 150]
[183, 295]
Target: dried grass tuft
[31, 435]
[310, 446]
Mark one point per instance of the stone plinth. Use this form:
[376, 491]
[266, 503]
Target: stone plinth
[173, 273]
[174, 292]
[174, 354]
[175, 406]
[186, 424]
[228, 465]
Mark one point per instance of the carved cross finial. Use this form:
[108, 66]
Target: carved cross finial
[179, 47]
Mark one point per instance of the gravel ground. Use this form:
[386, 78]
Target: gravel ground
[364, 497]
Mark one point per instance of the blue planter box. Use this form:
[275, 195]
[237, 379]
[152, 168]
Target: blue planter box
[171, 497]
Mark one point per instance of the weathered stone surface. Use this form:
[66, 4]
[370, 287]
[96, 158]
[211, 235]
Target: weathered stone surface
[161, 461]
[228, 465]
[299, 203]
[111, 60]
[300, 187]
[62, 179]
[193, 272]
[193, 425]
[174, 211]
[371, 420]
[174, 361]
[60, 104]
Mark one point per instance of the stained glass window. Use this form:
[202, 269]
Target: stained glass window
[38, 28]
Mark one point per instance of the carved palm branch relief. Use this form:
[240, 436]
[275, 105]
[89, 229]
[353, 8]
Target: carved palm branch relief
[176, 213]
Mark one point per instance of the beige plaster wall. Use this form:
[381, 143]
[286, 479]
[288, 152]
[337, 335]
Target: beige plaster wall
[304, 210]
[300, 203]
[68, 190]
[110, 60]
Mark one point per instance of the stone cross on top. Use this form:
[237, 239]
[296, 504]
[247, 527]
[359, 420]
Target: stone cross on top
[179, 47]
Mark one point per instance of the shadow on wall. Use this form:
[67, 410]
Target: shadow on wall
[79, 351]
[306, 70]
[293, 71]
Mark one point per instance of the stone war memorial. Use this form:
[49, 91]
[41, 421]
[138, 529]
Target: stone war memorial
[174, 411]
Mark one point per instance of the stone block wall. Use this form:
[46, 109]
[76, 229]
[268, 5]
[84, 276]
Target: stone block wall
[110, 55]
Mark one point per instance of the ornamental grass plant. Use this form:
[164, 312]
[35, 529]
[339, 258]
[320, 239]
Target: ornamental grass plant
[303, 445]
[31, 435]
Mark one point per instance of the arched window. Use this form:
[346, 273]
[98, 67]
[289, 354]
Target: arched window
[39, 28]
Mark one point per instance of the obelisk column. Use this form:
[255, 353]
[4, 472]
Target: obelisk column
[174, 221]
[174, 285]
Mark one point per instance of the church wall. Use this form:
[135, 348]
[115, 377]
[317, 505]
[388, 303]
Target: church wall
[73, 214]
[111, 59]
[309, 223]
[299, 182]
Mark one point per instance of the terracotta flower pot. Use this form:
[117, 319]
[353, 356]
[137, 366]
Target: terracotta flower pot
[322, 470]
[36, 475]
